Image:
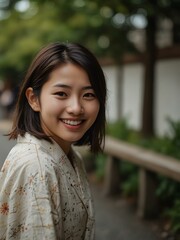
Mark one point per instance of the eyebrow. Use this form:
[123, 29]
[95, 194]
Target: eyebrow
[68, 86]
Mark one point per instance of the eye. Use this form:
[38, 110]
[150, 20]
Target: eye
[61, 94]
[89, 95]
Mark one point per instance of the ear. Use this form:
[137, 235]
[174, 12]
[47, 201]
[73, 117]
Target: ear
[32, 99]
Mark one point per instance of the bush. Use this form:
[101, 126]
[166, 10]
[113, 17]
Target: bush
[174, 214]
[100, 165]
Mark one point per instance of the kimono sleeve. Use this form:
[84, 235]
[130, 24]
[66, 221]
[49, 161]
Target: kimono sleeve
[30, 205]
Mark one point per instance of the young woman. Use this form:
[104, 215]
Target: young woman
[44, 192]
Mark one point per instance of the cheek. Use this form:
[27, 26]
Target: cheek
[50, 110]
[50, 105]
[94, 110]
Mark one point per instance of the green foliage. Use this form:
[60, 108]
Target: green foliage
[168, 190]
[100, 165]
[91, 23]
[130, 186]
[119, 129]
[129, 178]
[22, 38]
[174, 137]
[174, 214]
[23, 33]
[169, 144]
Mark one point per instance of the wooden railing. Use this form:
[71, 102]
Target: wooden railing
[149, 162]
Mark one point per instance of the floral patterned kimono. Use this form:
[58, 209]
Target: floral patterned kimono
[42, 196]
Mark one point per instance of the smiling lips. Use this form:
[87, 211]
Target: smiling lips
[72, 122]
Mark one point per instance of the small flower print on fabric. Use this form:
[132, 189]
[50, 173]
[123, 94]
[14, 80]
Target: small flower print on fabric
[4, 209]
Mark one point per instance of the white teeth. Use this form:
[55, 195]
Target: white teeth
[72, 123]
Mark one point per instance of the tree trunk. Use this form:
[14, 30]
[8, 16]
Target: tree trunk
[149, 78]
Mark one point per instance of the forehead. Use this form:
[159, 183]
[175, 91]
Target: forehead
[67, 69]
[69, 74]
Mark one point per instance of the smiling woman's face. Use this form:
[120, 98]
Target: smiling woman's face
[68, 106]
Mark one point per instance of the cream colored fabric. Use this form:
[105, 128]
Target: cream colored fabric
[42, 196]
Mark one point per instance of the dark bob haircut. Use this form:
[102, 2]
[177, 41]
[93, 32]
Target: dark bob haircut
[47, 60]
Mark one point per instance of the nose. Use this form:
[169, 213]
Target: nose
[75, 107]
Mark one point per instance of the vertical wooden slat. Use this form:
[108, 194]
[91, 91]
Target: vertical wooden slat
[147, 199]
[112, 176]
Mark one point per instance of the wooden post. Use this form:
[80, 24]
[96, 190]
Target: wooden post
[112, 176]
[147, 202]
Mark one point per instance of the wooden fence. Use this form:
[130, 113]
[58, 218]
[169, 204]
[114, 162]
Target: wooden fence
[149, 162]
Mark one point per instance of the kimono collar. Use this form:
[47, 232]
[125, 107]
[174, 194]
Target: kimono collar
[55, 151]
[52, 148]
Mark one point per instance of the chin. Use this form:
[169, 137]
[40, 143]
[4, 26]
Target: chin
[72, 140]
[77, 139]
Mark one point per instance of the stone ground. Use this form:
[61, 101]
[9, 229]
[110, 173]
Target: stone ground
[117, 219]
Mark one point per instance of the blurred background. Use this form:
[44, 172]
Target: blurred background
[137, 43]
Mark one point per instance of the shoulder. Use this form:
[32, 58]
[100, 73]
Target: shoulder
[28, 168]
[27, 157]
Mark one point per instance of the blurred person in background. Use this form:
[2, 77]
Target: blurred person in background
[44, 191]
[7, 99]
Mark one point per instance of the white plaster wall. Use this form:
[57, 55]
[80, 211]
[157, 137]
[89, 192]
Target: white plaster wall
[132, 94]
[112, 94]
[167, 95]
[129, 96]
